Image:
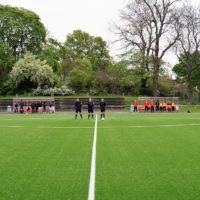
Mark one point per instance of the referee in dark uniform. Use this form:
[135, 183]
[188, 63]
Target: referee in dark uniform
[78, 108]
[102, 108]
[90, 108]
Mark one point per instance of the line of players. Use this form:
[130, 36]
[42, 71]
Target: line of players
[90, 106]
[35, 107]
[158, 106]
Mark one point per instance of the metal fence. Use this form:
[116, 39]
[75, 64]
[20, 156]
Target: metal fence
[60, 105]
[6, 109]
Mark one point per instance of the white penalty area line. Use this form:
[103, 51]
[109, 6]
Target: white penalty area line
[91, 192]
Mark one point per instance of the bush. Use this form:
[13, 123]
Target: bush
[63, 91]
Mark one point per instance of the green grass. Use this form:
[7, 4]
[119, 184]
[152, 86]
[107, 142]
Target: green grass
[44, 164]
[151, 163]
[191, 108]
[138, 157]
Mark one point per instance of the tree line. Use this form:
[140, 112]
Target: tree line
[33, 62]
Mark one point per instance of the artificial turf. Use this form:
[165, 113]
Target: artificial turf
[139, 157]
[38, 163]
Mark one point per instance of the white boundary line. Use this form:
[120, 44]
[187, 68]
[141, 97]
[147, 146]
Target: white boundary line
[50, 127]
[101, 127]
[150, 126]
[91, 192]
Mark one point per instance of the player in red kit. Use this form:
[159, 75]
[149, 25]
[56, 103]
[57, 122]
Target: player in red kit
[146, 106]
[135, 106]
[152, 105]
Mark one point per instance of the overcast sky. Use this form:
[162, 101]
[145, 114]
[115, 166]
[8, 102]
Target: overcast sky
[62, 17]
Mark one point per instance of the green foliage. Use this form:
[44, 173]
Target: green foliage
[81, 75]
[63, 91]
[82, 62]
[6, 62]
[125, 78]
[53, 52]
[181, 70]
[30, 72]
[87, 57]
[80, 45]
[167, 86]
[188, 69]
[104, 83]
[142, 70]
[21, 30]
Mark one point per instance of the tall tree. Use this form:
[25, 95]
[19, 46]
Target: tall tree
[85, 57]
[81, 75]
[81, 45]
[136, 32]
[125, 78]
[52, 52]
[153, 27]
[189, 43]
[189, 73]
[21, 30]
[6, 62]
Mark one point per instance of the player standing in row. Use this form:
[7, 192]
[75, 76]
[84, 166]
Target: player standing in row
[157, 105]
[78, 108]
[102, 108]
[21, 105]
[90, 108]
[146, 106]
[135, 106]
[152, 105]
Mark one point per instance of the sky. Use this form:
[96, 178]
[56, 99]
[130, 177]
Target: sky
[62, 17]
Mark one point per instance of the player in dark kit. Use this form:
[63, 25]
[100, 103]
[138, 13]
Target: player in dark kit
[90, 108]
[78, 108]
[21, 105]
[102, 108]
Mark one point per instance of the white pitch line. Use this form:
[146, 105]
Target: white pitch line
[101, 127]
[50, 127]
[91, 192]
[149, 126]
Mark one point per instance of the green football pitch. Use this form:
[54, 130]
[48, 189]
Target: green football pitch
[138, 157]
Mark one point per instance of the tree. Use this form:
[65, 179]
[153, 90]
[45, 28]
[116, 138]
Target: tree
[80, 77]
[125, 77]
[189, 73]
[152, 26]
[136, 32]
[80, 45]
[21, 30]
[189, 45]
[52, 52]
[6, 62]
[196, 81]
[85, 57]
[30, 72]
